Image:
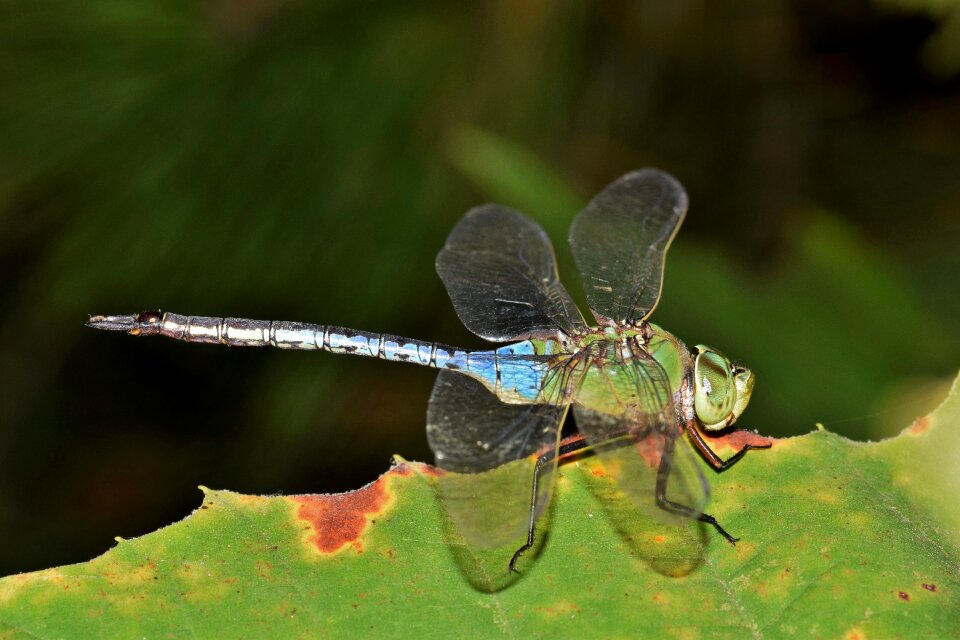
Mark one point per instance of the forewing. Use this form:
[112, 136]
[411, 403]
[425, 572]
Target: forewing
[625, 410]
[488, 448]
[499, 269]
[620, 242]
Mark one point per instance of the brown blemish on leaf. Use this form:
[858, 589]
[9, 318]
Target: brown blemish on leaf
[920, 425]
[264, 570]
[929, 587]
[903, 595]
[559, 609]
[761, 589]
[13, 585]
[605, 469]
[854, 634]
[659, 538]
[337, 521]
[649, 449]
[736, 440]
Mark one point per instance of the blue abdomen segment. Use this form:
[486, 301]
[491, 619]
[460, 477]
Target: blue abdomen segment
[514, 373]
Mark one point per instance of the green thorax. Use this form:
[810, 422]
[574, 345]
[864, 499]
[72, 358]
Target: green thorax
[603, 352]
[671, 353]
[668, 350]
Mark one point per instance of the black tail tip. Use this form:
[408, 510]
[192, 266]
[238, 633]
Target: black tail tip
[113, 323]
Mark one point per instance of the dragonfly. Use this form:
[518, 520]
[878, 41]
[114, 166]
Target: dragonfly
[639, 396]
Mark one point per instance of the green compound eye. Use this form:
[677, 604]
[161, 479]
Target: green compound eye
[744, 380]
[715, 390]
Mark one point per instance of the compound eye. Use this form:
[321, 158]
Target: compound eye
[744, 380]
[715, 393]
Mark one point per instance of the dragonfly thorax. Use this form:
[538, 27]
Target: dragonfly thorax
[638, 334]
[704, 382]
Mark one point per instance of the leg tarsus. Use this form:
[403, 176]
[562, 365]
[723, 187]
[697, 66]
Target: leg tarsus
[519, 552]
[533, 513]
[705, 517]
[729, 462]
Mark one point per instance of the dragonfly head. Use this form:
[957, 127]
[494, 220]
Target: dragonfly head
[721, 388]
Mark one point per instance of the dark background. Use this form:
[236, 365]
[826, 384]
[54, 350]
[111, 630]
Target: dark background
[301, 161]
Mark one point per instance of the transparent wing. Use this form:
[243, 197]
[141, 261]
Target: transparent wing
[499, 270]
[625, 410]
[470, 430]
[620, 242]
[490, 448]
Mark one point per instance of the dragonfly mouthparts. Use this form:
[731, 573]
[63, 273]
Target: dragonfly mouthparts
[113, 323]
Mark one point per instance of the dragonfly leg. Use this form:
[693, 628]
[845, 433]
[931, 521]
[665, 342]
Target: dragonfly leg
[663, 473]
[711, 456]
[533, 516]
[565, 448]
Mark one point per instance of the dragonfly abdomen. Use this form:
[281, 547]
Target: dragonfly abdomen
[515, 373]
[243, 332]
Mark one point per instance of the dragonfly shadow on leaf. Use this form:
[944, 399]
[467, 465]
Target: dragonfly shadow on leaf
[670, 548]
[470, 502]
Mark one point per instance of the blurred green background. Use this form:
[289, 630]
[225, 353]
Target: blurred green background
[305, 161]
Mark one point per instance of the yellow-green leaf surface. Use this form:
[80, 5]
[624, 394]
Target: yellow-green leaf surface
[838, 540]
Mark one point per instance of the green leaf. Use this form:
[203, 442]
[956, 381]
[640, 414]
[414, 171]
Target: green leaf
[838, 539]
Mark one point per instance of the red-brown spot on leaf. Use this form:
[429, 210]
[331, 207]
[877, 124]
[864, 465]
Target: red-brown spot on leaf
[264, 570]
[903, 595]
[650, 448]
[929, 587]
[738, 439]
[335, 521]
[920, 425]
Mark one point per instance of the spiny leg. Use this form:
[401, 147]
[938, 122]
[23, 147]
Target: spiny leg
[564, 449]
[711, 456]
[663, 473]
